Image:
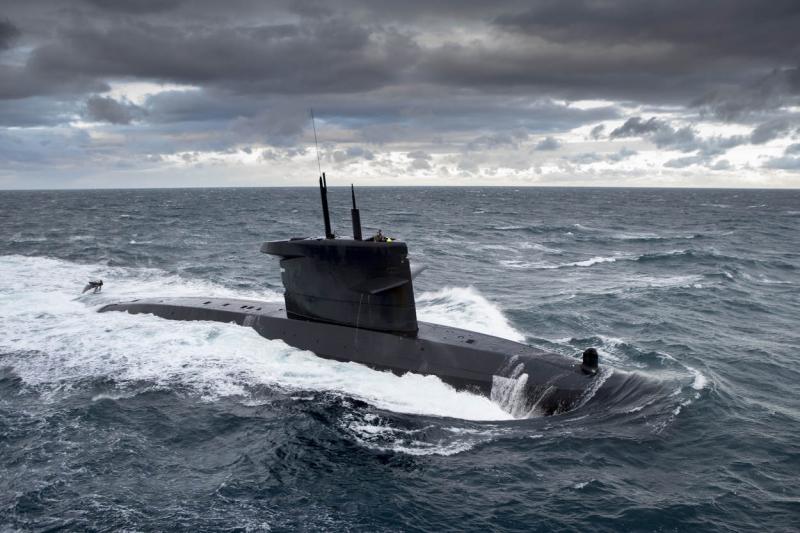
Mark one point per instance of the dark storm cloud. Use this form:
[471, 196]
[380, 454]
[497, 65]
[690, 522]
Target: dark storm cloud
[19, 82]
[330, 56]
[779, 87]
[727, 27]
[136, 6]
[625, 48]
[466, 74]
[104, 109]
[654, 50]
[8, 33]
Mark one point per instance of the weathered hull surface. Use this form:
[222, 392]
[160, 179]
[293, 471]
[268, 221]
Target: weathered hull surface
[523, 379]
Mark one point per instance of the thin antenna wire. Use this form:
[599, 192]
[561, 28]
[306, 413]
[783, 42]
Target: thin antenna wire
[315, 139]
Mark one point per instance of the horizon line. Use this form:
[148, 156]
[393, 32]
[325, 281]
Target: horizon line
[199, 187]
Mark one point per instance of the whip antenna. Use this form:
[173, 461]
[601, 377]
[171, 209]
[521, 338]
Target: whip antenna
[316, 144]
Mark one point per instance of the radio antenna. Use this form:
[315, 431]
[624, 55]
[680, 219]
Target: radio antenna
[316, 144]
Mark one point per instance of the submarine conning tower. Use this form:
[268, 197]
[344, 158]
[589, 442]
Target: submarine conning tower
[353, 282]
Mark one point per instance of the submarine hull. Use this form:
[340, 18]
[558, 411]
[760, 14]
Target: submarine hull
[522, 379]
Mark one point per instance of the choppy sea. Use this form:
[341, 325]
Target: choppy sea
[114, 421]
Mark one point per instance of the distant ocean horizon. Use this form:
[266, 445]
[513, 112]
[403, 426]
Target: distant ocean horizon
[116, 421]
[346, 184]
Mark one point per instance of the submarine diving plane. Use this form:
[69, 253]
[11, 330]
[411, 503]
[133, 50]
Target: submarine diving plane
[353, 300]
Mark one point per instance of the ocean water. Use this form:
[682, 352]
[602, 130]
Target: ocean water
[113, 421]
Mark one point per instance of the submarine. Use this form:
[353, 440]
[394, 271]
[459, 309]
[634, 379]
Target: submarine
[352, 300]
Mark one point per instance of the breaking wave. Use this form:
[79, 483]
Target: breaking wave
[59, 339]
[466, 308]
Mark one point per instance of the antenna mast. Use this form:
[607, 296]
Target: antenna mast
[323, 184]
[316, 144]
[323, 192]
[356, 216]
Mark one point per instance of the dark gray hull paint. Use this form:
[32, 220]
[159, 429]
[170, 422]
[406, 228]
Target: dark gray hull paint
[526, 380]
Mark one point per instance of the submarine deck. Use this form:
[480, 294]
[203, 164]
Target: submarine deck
[462, 358]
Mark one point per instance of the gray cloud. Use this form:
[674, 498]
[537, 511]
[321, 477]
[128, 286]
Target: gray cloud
[136, 6]
[597, 132]
[497, 140]
[770, 130]
[425, 117]
[328, 56]
[276, 126]
[684, 139]
[419, 155]
[661, 133]
[353, 152]
[104, 109]
[420, 160]
[783, 163]
[37, 111]
[8, 33]
[585, 159]
[722, 164]
[621, 155]
[683, 162]
[636, 127]
[740, 101]
[719, 27]
[548, 143]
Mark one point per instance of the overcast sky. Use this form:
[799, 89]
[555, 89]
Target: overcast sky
[157, 93]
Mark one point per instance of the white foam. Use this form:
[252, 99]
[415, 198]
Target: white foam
[585, 263]
[55, 338]
[593, 261]
[700, 381]
[465, 307]
[376, 433]
[582, 228]
[540, 247]
[511, 393]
